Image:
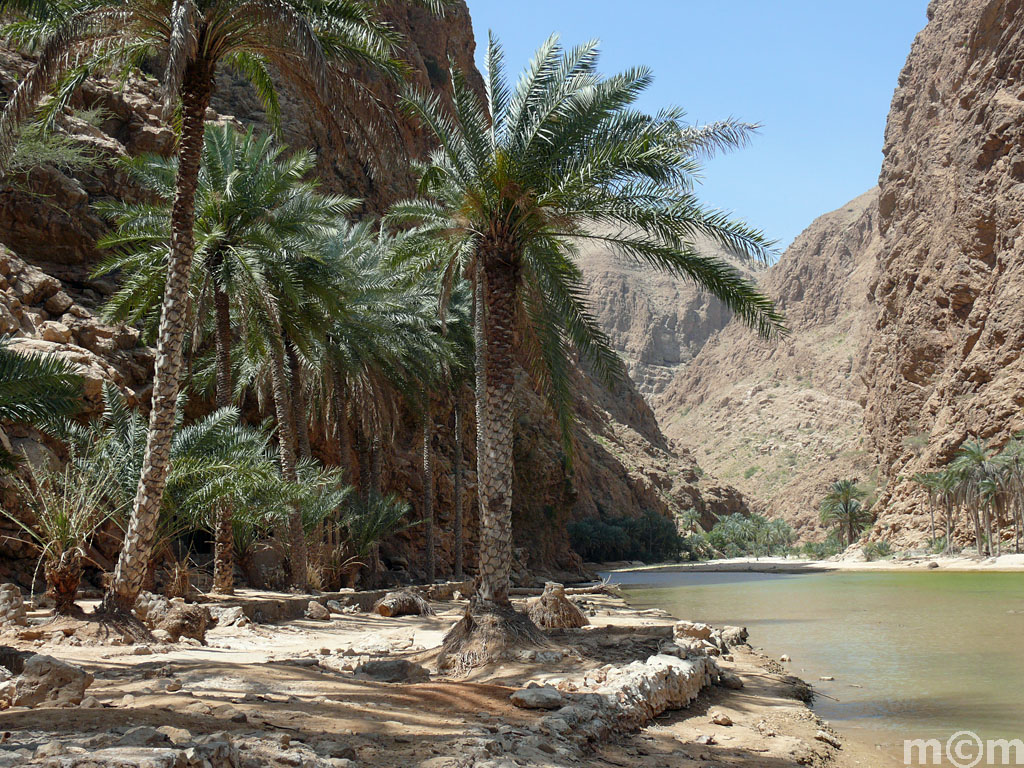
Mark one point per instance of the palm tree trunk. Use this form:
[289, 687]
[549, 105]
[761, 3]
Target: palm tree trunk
[428, 496]
[63, 575]
[492, 627]
[495, 435]
[457, 471]
[286, 446]
[133, 561]
[344, 437]
[363, 459]
[224, 545]
[299, 406]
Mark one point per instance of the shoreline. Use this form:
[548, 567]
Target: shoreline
[289, 690]
[1012, 563]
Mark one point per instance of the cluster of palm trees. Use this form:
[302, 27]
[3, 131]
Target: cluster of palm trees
[843, 508]
[981, 485]
[332, 326]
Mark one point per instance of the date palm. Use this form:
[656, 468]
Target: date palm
[978, 469]
[843, 507]
[298, 39]
[33, 389]
[516, 185]
[250, 199]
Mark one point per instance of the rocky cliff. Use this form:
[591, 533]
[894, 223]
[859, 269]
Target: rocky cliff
[656, 322]
[945, 356]
[49, 302]
[781, 420]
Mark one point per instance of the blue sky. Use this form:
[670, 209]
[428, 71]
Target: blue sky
[817, 74]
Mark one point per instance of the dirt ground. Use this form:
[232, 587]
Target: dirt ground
[293, 683]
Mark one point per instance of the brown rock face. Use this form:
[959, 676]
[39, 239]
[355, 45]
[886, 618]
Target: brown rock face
[945, 360]
[781, 420]
[656, 322]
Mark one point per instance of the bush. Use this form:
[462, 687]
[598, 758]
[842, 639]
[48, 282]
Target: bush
[877, 550]
[649, 537]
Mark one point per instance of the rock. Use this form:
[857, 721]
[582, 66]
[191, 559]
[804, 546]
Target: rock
[55, 332]
[90, 702]
[58, 304]
[335, 607]
[12, 606]
[142, 736]
[393, 671]
[730, 681]
[229, 616]
[177, 736]
[185, 621]
[172, 686]
[720, 718]
[317, 611]
[142, 650]
[162, 635]
[692, 629]
[826, 678]
[337, 749]
[828, 738]
[735, 635]
[538, 698]
[932, 564]
[127, 701]
[48, 680]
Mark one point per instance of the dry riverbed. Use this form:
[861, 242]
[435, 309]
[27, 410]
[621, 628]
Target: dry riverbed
[288, 694]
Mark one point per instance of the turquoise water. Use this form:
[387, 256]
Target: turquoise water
[933, 653]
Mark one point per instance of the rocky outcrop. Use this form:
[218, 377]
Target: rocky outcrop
[780, 420]
[657, 322]
[945, 357]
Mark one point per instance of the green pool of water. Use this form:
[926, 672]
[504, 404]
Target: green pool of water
[929, 653]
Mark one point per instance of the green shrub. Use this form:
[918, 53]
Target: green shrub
[878, 550]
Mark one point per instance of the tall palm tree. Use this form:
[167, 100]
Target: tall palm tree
[843, 507]
[193, 37]
[251, 202]
[516, 184]
[978, 469]
[34, 388]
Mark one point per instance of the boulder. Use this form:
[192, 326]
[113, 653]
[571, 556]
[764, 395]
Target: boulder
[734, 635]
[317, 612]
[12, 605]
[48, 680]
[184, 620]
[544, 697]
[393, 671]
[692, 629]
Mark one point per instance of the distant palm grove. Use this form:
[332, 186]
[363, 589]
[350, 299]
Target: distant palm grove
[289, 330]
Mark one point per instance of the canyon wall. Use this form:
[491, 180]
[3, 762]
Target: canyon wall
[945, 356]
[656, 322]
[782, 419]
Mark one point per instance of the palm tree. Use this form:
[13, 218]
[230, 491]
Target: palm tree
[216, 461]
[251, 202]
[69, 504]
[978, 470]
[843, 507]
[34, 388]
[514, 186]
[193, 37]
